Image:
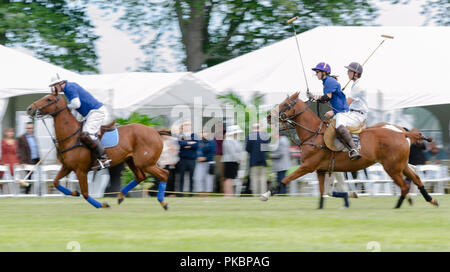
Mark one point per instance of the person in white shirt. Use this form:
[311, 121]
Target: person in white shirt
[357, 100]
[357, 103]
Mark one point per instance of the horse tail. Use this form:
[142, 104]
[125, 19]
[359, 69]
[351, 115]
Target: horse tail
[416, 137]
[164, 132]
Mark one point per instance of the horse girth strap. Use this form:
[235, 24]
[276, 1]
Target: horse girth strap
[332, 161]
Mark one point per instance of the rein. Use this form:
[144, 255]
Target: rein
[56, 141]
[290, 120]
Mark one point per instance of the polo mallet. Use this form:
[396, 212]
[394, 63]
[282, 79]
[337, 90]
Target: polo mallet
[385, 37]
[289, 22]
[23, 181]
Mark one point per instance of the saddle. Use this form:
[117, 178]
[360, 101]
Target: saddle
[108, 127]
[330, 135]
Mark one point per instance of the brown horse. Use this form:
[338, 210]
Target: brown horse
[388, 147]
[139, 146]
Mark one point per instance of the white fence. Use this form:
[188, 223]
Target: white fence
[377, 182]
[41, 181]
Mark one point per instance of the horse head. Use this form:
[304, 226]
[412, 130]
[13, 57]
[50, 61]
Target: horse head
[51, 104]
[287, 110]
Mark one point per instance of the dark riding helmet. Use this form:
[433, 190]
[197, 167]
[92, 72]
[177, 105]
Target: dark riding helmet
[355, 67]
[322, 67]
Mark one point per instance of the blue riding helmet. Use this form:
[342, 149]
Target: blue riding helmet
[322, 67]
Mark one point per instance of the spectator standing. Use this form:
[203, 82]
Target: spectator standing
[434, 155]
[9, 154]
[232, 157]
[169, 159]
[188, 154]
[204, 169]
[257, 159]
[280, 160]
[27, 149]
[417, 151]
[218, 139]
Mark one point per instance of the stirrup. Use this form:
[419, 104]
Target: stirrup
[354, 154]
[101, 165]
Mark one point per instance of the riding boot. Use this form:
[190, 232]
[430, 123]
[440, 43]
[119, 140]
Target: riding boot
[346, 138]
[100, 153]
[97, 148]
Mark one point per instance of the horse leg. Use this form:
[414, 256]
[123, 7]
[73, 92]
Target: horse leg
[404, 187]
[139, 177]
[300, 171]
[341, 187]
[416, 179]
[321, 177]
[163, 176]
[64, 171]
[82, 181]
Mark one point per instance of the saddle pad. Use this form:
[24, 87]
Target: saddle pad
[110, 138]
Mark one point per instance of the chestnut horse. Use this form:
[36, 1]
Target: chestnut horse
[139, 146]
[386, 146]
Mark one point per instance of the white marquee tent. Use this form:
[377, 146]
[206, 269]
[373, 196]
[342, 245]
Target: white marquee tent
[123, 92]
[410, 70]
[153, 93]
[22, 74]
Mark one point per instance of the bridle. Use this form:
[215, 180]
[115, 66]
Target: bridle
[53, 114]
[292, 124]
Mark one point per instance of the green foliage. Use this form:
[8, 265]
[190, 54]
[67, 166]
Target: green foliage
[251, 111]
[209, 31]
[437, 11]
[56, 31]
[140, 119]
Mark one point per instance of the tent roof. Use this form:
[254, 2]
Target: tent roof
[410, 70]
[132, 91]
[23, 74]
[124, 92]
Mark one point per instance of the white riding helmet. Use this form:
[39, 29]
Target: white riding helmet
[56, 79]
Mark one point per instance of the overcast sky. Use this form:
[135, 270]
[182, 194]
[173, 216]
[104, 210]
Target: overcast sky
[118, 53]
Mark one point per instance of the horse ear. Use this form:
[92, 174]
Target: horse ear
[55, 91]
[295, 95]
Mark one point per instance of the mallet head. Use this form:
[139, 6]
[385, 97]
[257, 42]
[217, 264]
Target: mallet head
[291, 20]
[387, 36]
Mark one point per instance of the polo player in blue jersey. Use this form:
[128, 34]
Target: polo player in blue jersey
[340, 110]
[94, 112]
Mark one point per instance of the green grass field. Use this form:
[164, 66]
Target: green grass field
[224, 224]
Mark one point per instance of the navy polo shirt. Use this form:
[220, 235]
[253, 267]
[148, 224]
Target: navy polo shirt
[88, 102]
[338, 100]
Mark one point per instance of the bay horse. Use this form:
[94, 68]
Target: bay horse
[139, 146]
[385, 146]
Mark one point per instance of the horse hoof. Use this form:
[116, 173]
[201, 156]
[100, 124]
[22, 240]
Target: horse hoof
[354, 195]
[410, 201]
[435, 202]
[263, 198]
[166, 206]
[120, 200]
[105, 205]
[75, 193]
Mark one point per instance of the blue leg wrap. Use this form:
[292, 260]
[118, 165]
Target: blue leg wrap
[64, 190]
[129, 186]
[94, 202]
[340, 194]
[161, 190]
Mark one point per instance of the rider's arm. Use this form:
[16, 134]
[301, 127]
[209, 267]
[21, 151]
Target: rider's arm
[75, 103]
[325, 98]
